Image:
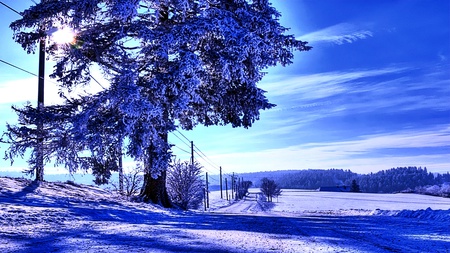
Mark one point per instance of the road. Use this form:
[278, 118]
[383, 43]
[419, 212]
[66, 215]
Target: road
[330, 231]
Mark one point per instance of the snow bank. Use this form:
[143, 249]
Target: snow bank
[428, 214]
[67, 217]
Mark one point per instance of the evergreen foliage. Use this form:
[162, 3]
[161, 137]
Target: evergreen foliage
[385, 181]
[354, 187]
[314, 179]
[171, 63]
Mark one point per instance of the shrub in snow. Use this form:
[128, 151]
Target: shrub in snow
[270, 189]
[185, 184]
[435, 190]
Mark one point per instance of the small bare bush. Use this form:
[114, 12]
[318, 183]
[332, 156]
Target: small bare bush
[132, 183]
[185, 184]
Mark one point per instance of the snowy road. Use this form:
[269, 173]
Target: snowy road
[328, 227]
[65, 218]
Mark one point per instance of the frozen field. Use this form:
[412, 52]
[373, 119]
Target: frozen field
[57, 217]
[298, 201]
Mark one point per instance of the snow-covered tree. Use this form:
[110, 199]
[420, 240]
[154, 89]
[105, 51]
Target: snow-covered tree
[270, 189]
[185, 184]
[170, 63]
[355, 186]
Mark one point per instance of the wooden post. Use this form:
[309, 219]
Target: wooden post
[192, 153]
[40, 108]
[238, 195]
[226, 188]
[204, 198]
[221, 194]
[232, 185]
[207, 191]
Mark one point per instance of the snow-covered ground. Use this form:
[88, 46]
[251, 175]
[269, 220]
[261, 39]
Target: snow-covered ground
[57, 217]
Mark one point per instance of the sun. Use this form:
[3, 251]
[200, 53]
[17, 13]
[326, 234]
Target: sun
[63, 36]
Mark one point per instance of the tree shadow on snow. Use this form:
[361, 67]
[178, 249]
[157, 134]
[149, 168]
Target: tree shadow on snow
[169, 231]
[30, 187]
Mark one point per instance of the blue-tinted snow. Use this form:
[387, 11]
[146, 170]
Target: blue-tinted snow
[57, 217]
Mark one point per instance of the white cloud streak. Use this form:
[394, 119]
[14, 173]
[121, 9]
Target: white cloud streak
[322, 85]
[396, 88]
[359, 155]
[338, 34]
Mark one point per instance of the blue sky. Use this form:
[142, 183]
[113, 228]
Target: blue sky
[372, 94]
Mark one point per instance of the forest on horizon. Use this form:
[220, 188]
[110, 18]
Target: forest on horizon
[385, 181]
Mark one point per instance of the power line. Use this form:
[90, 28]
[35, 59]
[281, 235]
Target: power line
[14, 66]
[182, 149]
[182, 140]
[33, 74]
[201, 154]
[26, 71]
[183, 135]
[12, 9]
[96, 81]
[206, 157]
[9, 7]
[207, 170]
[215, 167]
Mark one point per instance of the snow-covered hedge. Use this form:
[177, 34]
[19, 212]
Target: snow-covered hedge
[435, 190]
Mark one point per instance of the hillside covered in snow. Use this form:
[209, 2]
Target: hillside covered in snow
[67, 217]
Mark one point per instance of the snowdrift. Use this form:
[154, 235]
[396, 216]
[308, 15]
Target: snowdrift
[67, 217]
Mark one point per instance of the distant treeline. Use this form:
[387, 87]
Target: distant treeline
[385, 181]
[313, 179]
[400, 179]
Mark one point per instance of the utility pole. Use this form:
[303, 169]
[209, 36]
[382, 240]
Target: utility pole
[221, 194]
[232, 185]
[204, 198]
[235, 187]
[226, 188]
[192, 153]
[207, 191]
[238, 191]
[40, 108]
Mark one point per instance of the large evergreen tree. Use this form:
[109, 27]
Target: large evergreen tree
[170, 63]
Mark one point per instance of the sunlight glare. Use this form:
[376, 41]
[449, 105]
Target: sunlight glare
[63, 36]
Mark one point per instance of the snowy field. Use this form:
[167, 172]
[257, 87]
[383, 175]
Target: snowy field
[56, 217]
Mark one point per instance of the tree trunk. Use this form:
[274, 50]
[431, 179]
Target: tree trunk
[155, 190]
[120, 175]
[120, 168]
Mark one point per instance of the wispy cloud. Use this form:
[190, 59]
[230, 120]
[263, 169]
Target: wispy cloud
[429, 138]
[359, 154]
[338, 34]
[396, 88]
[322, 85]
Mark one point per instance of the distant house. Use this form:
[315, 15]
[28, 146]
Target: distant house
[338, 188]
